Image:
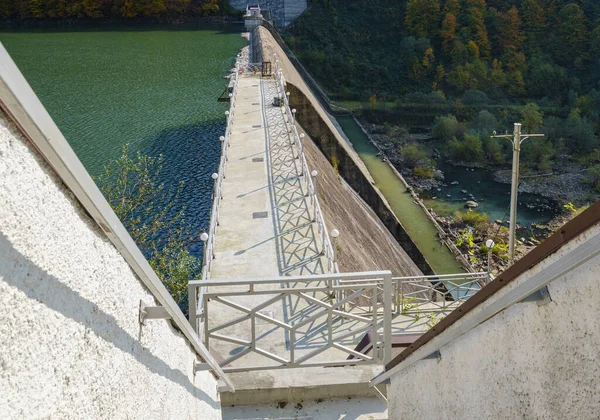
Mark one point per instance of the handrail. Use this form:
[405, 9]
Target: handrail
[283, 286]
[440, 292]
[332, 266]
[217, 196]
[22, 105]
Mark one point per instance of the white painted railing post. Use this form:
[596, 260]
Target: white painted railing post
[192, 305]
[387, 318]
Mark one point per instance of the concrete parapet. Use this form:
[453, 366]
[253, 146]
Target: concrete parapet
[298, 385]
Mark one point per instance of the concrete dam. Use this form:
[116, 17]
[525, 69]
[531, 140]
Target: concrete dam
[313, 301]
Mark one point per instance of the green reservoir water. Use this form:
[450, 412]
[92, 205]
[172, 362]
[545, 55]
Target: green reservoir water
[154, 88]
[416, 223]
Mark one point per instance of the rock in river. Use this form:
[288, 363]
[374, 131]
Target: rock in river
[471, 204]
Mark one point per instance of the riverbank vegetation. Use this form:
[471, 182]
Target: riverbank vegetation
[111, 9]
[145, 207]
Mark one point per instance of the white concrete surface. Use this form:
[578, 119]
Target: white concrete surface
[339, 409]
[72, 346]
[527, 361]
[263, 175]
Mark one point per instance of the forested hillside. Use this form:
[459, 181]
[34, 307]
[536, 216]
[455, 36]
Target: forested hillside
[105, 9]
[507, 49]
[476, 65]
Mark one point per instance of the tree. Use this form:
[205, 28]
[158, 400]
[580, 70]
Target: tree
[497, 76]
[448, 32]
[534, 14]
[373, 101]
[483, 123]
[473, 50]
[459, 79]
[510, 34]
[595, 42]
[573, 32]
[422, 17]
[428, 59]
[516, 83]
[532, 117]
[452, 7]
[581, 132]
[146, 209]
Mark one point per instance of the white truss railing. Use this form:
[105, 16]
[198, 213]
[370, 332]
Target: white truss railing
[436, 293]
[420, 293]
[313, 303]
[327, 247]
[209, 244]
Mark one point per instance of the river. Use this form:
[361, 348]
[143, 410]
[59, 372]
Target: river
[412, 217]
[152, 87]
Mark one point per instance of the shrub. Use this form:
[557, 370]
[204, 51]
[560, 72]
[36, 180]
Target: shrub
[484, 123]
[423, 172]
[473, 219]
[448, 127]
[475, 97]
[468, 150]
[413, 155]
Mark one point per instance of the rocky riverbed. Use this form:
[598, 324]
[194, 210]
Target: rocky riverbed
[568, 182]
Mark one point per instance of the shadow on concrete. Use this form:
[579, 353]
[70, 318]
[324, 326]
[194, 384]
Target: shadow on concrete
[40, 286]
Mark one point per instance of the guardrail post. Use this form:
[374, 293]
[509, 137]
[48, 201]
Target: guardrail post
[192, 305]
[387, 318]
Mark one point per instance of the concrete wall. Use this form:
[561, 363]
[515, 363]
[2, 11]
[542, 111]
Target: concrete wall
[528, 361]
[320, 132]
[71, 345]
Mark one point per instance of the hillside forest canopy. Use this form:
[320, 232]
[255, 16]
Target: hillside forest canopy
[110, 9]
[477, 65]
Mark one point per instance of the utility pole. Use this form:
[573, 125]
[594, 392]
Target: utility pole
[516, 142]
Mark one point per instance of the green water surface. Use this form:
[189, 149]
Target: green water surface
[152, 87]
[412, 217]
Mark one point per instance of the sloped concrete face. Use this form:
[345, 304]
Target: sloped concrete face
[71, 345]
[527, 362]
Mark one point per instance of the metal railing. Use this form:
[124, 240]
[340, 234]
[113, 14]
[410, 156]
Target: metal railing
[309, 311]
[327, 246]
[209, 244]
[420, 293]
[436, 293]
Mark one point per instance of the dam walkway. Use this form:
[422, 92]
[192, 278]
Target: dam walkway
[266, 214]
[271, 296]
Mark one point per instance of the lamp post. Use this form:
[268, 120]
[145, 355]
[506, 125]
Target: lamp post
[334, 234]
[300, 146]
[314, 174]
[516, 140]
[215, 177]
[490, 244]
[204, 238]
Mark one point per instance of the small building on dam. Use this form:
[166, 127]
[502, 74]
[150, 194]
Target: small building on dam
[282, 12]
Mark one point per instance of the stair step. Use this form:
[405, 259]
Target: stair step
[345, 408]
[293, 386]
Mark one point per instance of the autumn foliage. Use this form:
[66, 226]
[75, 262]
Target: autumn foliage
[102, 9]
